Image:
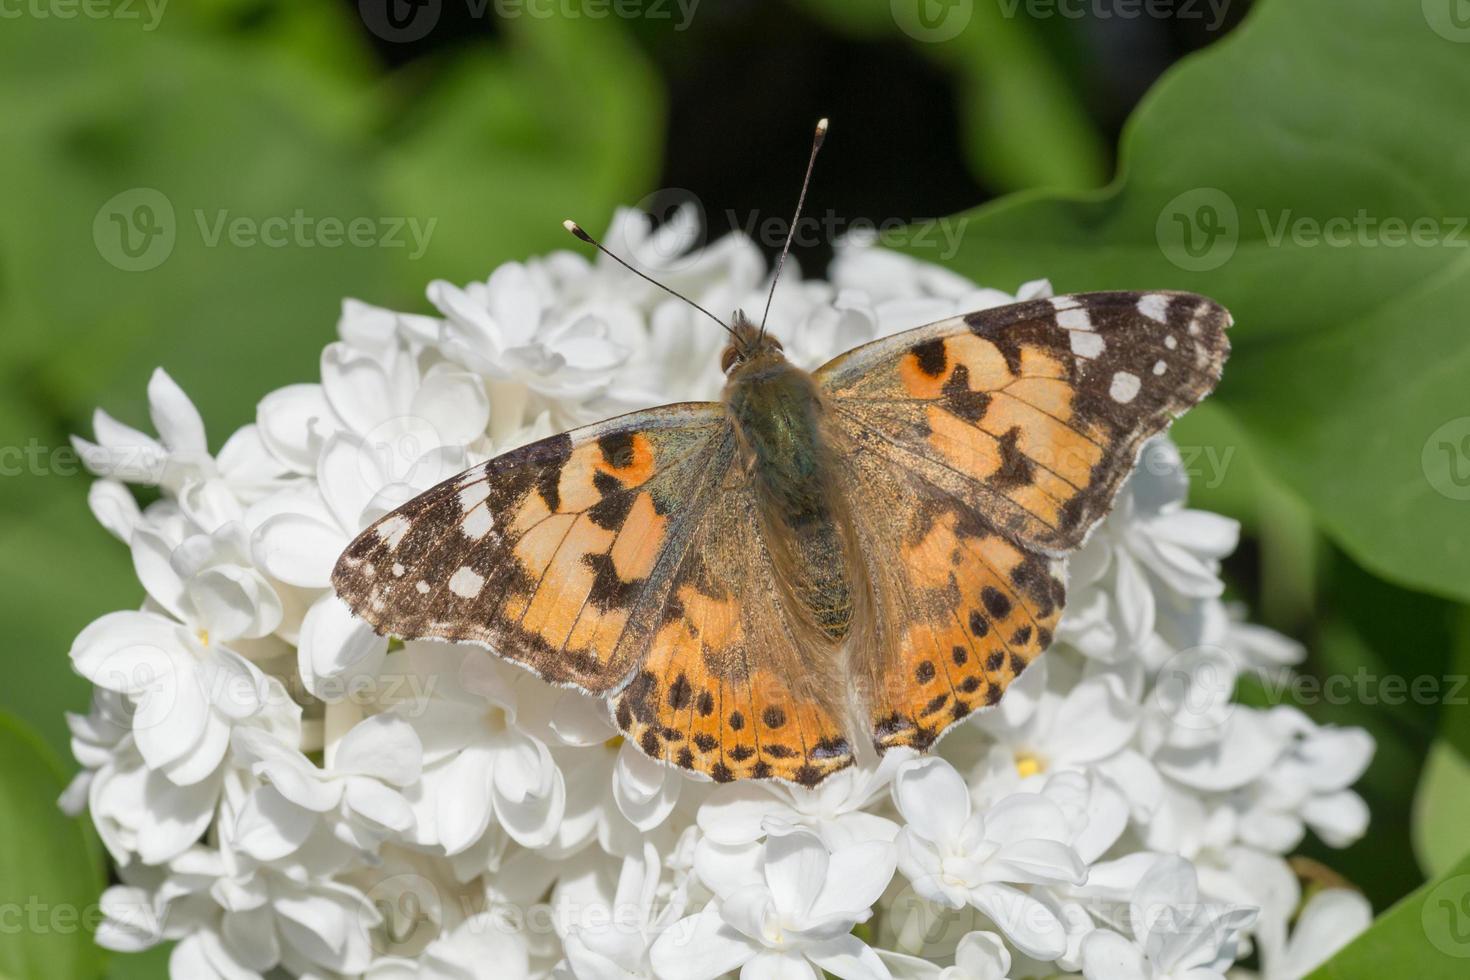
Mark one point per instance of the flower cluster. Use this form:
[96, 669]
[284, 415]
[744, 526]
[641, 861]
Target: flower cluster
[286, 793]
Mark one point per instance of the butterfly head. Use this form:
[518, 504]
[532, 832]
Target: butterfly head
[749, 345]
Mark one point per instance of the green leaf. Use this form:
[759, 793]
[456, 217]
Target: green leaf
[50, 874]
[562, 120]
[1440, 805]
[1425, 936]
[1442, 799]
[1350, 358]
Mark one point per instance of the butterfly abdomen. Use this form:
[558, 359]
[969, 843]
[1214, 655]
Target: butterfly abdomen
[779, 417]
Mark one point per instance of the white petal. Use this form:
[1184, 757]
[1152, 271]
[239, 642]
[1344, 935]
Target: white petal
[701, 947]
[734, 813]
[383, 746]
[298, 550]
[336, 648]
[1030, 926]
[772, 965]
[932, 798]
[1108, 956]
[850, 958]
[371, 799]
[114, 507]
[645, 791]
[174, 416]
[857, 876]
[153, 562]
[270, 826]
[462, 798]
[292, 422]
[796, 866]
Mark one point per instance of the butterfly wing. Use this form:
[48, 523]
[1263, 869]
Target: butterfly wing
[546, 553]
[731, 685]
[984, 447]
[624, 559]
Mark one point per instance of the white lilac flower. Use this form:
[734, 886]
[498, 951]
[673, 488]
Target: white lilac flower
[426, 810]
[482, 771]
[794, 919]
[1152, 566]
[1307, 786]
[1171, 934]
[979, 956]
[618, 945]
[180, 456]
[955, 856]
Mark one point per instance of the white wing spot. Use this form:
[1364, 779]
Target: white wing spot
[1160, 367]
[466, 583]
[477, 523]
[1155, 307]
[1074, 319]
[1088, 345]
[422, 587]
[392, 530]
[1064, 302]
[1171, 341]
[1124, 387]
[398, 570]
[474, 495]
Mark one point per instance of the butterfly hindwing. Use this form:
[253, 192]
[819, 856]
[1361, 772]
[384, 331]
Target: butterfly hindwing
[731, 685]
[984, 447]
[544, 554]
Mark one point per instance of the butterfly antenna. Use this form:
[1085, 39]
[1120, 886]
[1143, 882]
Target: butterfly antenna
[791, 232]
[577, 230]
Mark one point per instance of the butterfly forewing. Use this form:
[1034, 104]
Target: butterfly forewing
[547, 553]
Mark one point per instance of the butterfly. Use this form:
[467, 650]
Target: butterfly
[870, 552]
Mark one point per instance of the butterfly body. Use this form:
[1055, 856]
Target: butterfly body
[867, 553]
[784, 438]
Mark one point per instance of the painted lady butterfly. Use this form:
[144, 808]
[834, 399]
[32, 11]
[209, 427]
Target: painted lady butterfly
[869, 551]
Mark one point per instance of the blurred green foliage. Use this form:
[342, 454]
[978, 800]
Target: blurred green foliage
[1325, 433]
